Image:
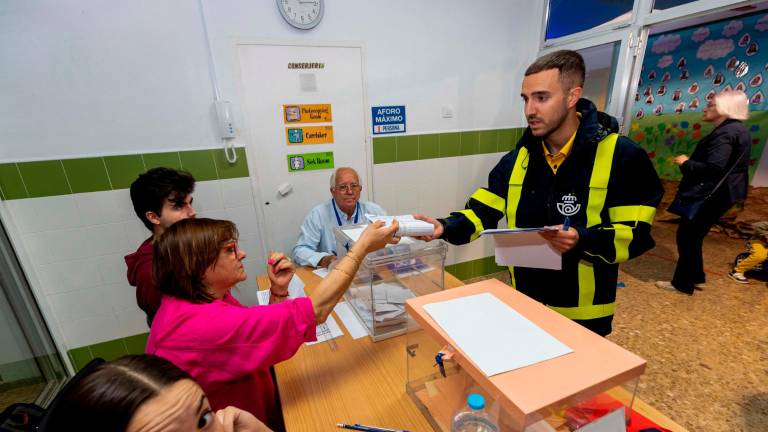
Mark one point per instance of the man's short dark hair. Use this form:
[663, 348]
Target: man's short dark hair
[150, 190]
[569, 63]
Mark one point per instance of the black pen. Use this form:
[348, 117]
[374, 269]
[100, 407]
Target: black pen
[359, 427]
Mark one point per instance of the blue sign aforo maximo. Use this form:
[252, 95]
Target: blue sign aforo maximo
[388, 119]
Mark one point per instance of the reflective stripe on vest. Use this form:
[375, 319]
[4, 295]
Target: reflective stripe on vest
[598, 190]
[470, 214]
[489, 199]
[513, 196]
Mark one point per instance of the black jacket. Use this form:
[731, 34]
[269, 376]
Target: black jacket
[711, 159]
[633, 182]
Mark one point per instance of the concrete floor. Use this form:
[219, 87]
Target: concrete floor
[707, 354]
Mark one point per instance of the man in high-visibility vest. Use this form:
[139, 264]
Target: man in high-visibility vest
[570, 165]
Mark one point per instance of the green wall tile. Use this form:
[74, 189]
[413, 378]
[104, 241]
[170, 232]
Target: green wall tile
[109, 350]
[468, 143]
[488, 266]
[506, 139]
[429, 146]
[123, 170]
[167, 160]
[200, 163]
[136, 344]
[384, 150]
[407, 148]
[463, 271]
[11, 185]
[44, 178]
[450, 144]
[86, 175]
[227, 170]
[80, 357]
[487, 142]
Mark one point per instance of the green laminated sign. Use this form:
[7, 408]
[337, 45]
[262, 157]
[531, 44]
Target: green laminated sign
[310, 161]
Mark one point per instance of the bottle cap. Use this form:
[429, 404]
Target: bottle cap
[476, 401]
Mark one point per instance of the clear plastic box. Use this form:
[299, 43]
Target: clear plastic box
[441, 397]
[390, 276]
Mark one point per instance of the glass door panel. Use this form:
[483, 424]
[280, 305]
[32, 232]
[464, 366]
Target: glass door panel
[600, 62]
[30, 367]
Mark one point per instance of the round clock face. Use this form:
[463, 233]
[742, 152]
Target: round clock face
[302, 14]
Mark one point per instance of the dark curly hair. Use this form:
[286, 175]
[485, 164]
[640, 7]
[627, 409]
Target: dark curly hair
[150, 190]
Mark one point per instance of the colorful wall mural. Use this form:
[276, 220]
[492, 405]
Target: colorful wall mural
[683, 69]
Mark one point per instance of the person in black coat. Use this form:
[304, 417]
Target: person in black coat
[725, 147]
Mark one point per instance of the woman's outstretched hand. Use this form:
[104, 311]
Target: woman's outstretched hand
[376, 236]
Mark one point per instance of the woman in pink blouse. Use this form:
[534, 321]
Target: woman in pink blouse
[225, 346]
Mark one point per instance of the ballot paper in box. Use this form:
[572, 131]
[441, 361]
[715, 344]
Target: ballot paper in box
[390, 276]
[537, 370]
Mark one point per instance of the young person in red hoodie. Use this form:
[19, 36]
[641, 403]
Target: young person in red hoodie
[161, 197]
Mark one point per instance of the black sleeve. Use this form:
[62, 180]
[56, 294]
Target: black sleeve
[484, 208]
[717, 157]
[634, 192]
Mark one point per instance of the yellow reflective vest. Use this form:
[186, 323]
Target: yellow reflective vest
[609, 189]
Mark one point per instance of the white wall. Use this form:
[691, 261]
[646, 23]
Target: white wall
[87, 77]
[75, 246]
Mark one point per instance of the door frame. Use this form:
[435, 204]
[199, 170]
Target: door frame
[248, 136]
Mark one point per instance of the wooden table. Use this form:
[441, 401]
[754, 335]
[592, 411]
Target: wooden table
[361, 382]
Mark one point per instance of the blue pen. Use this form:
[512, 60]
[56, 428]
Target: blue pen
[359, 427]
[566, 223]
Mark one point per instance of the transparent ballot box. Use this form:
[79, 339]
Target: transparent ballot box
[597, 380]
[390, 276]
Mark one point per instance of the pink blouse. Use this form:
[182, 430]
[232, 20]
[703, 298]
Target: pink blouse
[228, 348]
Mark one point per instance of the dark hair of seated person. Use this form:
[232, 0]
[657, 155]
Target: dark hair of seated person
[106, 399]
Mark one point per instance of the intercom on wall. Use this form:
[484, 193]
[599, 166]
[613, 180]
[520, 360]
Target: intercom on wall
[226, 119]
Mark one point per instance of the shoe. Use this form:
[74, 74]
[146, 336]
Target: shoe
[738, 277]
[666, 285]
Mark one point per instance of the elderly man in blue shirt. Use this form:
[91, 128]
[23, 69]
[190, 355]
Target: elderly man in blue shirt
[316, 246]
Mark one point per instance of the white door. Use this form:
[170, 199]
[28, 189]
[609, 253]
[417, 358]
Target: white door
[317, 75]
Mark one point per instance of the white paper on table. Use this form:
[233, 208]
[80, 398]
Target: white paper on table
[525, 248]
[296, 287]
[295, 290]
[494, 336]
[409, 226]
[322, 272]
[611, 422]
[326, 331]
[350, 321]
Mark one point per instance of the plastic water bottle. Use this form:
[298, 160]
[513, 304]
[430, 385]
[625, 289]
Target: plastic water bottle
[473, 417]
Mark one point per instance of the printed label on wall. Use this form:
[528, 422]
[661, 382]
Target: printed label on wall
[310, 161]
[309, 135]
[316, 113]
[388, 119]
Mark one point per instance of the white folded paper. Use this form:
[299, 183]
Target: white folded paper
[524, 247]
[408, 225]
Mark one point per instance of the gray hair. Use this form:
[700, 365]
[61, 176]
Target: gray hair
[338, 170]
[732, 104]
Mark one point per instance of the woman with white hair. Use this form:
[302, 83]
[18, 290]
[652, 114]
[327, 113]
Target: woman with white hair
[716, 173]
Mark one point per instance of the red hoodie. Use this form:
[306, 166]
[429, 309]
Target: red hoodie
[140, 275]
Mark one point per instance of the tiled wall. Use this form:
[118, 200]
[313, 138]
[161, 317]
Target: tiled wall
[403, 148]
[71, 176]
[75, 222]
